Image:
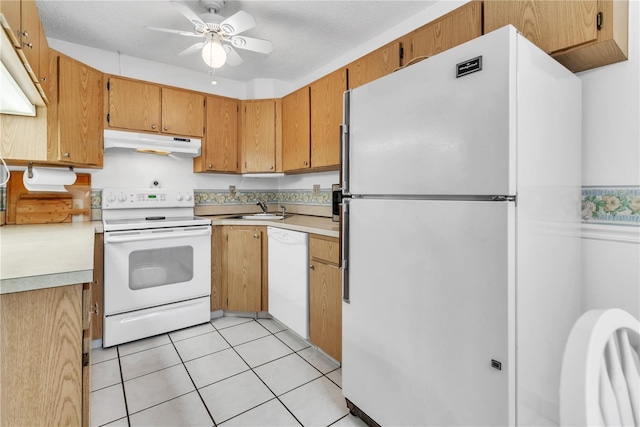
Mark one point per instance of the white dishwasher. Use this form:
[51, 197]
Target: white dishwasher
[289, 278]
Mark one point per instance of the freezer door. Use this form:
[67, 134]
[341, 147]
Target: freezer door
[422, 130]
[428, 333]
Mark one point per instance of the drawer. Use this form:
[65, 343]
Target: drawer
[325, 249]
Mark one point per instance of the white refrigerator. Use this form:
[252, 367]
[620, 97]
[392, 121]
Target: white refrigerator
[461, 250]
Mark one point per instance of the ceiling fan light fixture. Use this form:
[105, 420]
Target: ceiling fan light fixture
[214, 54]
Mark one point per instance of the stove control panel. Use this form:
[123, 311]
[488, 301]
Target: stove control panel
[125, 198]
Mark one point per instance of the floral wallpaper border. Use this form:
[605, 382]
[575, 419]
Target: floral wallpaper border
[616, 205]
[242, 197]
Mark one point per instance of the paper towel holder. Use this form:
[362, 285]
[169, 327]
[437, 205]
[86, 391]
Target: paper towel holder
[48, 180]
[30, 170]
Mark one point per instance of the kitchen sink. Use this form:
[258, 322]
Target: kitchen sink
[271, 216]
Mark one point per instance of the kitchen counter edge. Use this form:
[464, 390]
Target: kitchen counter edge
[305, 223]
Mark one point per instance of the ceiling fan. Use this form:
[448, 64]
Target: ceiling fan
[220, 38]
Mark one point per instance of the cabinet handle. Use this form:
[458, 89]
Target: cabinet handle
[153, 126]
[67, 155]
[210, 166]
[44, 79]
[23, 34]
[255, 236]
[271, 167]
[166, 128]
[305, 163]
[29, 45]
[311, 267]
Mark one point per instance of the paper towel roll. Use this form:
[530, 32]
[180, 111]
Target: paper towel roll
[48, 179]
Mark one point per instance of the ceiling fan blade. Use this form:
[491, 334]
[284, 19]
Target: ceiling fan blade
[237, 23]
[168, 30]
[249, 43]
[233, 58]
[196, 47]
[189, 14]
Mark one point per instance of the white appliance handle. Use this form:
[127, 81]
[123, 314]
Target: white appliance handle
[140, 236]
[344, 264]
[344, 142]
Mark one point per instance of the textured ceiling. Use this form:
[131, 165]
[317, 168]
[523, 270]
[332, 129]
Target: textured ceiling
[306, 34]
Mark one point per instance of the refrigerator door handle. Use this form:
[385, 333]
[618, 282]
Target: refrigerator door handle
[344, 142]
[344, 264]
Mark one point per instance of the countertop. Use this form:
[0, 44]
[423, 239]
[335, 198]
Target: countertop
[46, 255]
[305, 223]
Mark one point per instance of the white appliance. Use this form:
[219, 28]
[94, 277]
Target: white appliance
[289, 279]
[168, 145]
[157, 263]
[461, 249]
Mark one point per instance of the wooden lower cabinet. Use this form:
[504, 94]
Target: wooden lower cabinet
[325, 295]
[239, 268]
[44, 376]
[97, 287]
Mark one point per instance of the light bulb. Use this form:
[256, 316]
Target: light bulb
[214, 55]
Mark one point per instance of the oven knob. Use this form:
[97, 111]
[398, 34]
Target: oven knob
[188, 197]
[179, 197]
[111, 197]
[122, 197]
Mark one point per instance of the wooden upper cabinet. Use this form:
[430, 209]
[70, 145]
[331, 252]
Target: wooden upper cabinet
[182, 112]
[296, 130]
[10, 9]
[220, 143]
[581, 34]
[258, 136]
[79, 118]
[326, 117]
[148, 107]
[44, 59]
[374, 65]
[133, 105]
[452, 29]
[30, 34]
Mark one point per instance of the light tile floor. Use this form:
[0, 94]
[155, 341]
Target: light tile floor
[232, 371]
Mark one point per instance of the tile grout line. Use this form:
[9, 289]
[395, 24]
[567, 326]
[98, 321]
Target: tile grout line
[192, 381]
[124, 393]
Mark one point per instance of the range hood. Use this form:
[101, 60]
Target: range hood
[116, 140]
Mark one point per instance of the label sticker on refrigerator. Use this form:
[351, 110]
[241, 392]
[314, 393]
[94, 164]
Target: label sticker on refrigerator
[468, 67]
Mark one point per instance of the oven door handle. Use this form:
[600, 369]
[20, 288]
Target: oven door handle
[155, 235]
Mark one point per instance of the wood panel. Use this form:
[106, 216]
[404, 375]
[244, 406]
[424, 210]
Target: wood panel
[79, 113]
[325, 249]
[87, 332]
[182, 112]
[244, 259]
[220, 143]
[326, 117]
[217, 250]
[44, 59]
[551, 25]
[296, 130]
[325, 308]
[10, 9]
[30, 19]
[374, 65]
[134, 105]
[459, 26]
[258, 136]
[97, 287]
[41, 363]
[265, 268]
[24, 138]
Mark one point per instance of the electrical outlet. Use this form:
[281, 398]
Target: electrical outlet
[232, 191]
[316, 189]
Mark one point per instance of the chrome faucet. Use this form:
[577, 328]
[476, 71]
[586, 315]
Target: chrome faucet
[284, 210]
[263, 206]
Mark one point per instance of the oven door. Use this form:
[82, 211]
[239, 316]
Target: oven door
[146, 268]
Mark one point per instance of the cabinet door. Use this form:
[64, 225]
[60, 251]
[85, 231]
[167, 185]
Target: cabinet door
[456, 27]
[10, 9]
[30, 34]
[244, 269]
[218, 267]
[552, 25]
[220, 143]
[44, 58]
[41, 365]
[326, 117]
[80, 106]
[97, 287]
[374, 65]
[258, 136]
[325, 308]
[134, 105]
[182, 112]
[296, 130]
